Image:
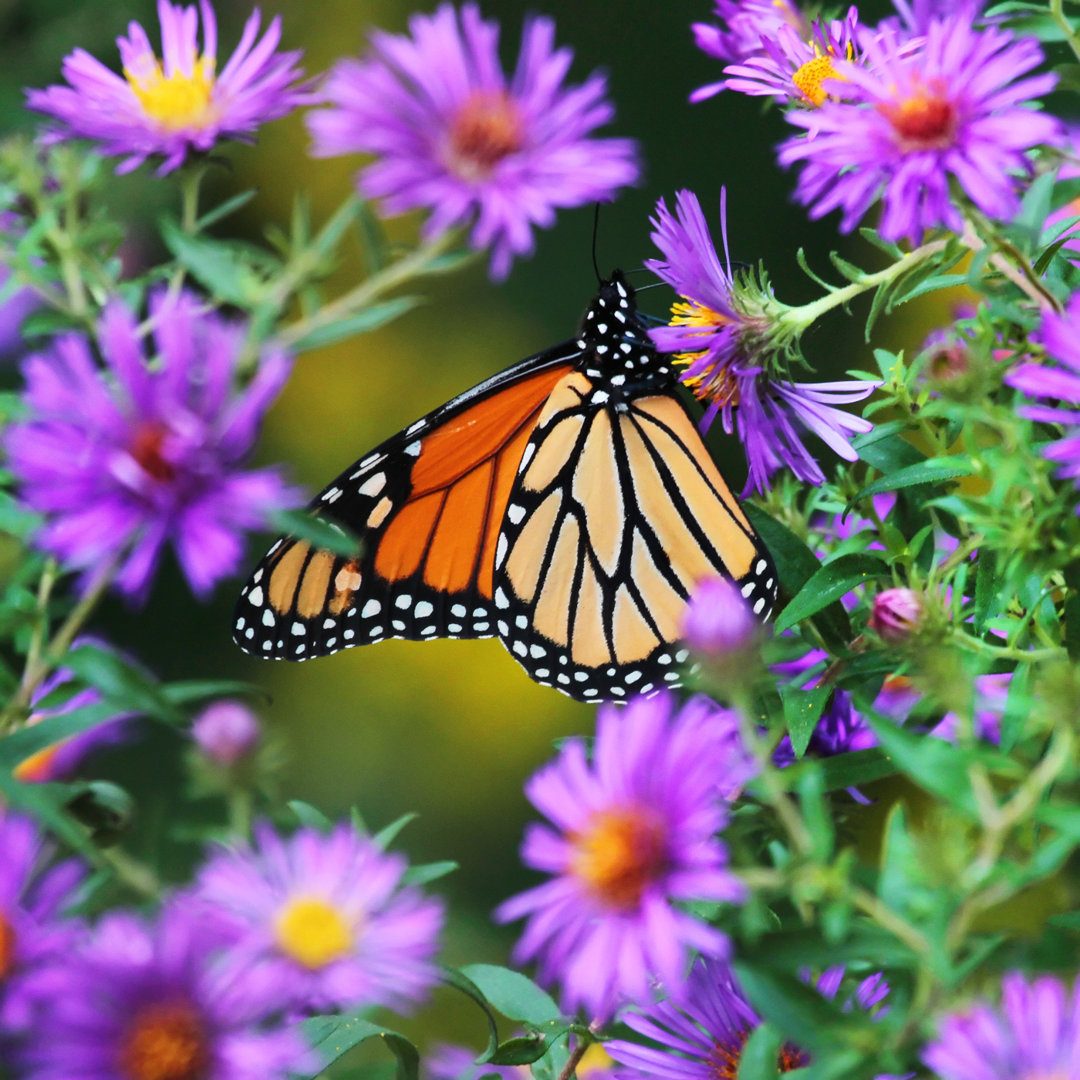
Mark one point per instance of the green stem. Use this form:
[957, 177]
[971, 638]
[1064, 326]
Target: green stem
[885, 917]
[190, 181]
[134, 874]
[1057, 13]
[415, 264]
[799, 318]
[575, 1058]
[1007, 652]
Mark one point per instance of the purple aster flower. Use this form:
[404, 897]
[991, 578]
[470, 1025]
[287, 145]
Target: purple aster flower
[718, 335]
[33, 896]
[122, 462]
[745, 23]
[326, 916]
[179, 104]
[916, 15]
[792, 68]
[701, 1034]
[452, 135]
[144, 1002]
[226, 733]
[1060, 382]
[633, 830]
[1035, 1032]
[913, 120]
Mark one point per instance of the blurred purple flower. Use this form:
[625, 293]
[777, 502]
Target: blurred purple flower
[160, 1000]
[453, 136]
[745, 23]
[991, 696]
[718, 621]
[792, 68]
[719, 338]
[13, 311]
[1060, 382]
[702, 1029]
[634, 832]
[446, 1061]
[1035, 1032]
[179, 104]
[325, 916]
[121, 462]
[33, 896]
[914, 119]
[916, 15]
[226, 732]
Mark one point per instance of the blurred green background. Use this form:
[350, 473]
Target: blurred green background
[447, 729]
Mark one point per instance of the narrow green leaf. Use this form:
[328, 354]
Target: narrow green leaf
[799, 1012]
[389, 833]
[229, 206]
[1017, 707]
[425, 873]
[932, 471]
[1035, 206]
[857, 768]
[802, 710]
[512, 994]
[189, 690]
[886, 449]
[833, 580]
[519, 1050]
[308, 815]
[465, 985]
[986, 589]
[362, 322]
[307, 525]
[209, 262]
[331, 1037]
[331, 233]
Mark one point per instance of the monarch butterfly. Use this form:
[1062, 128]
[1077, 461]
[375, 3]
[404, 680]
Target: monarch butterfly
[566, 505]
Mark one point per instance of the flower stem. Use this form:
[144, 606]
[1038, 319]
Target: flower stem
[1057, 13]
[575, 1058]
[190, 181]
[799, 318]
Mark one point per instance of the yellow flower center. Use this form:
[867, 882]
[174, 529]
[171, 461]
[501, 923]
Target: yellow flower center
[719, 383]
[166, 1042]
[7, 948]
[595, 1062]
[176, 101]
[811, 75]
[620, 853]
[487, 129]
[313, 932]
[924, 121]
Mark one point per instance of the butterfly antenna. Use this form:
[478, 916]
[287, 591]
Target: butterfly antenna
[595, 237]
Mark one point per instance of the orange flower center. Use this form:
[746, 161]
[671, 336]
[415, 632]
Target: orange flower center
[166, 1042]
[7, 948]
[618, 855]
[36, 769]
[924, 121]
[487, 129]
[725, 1057]
[146, 449]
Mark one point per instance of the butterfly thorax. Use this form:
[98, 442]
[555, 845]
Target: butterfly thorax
[617, 354]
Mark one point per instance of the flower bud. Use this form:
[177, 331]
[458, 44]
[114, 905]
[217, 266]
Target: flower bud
[226, 732]
[718, 621]
[896, 615]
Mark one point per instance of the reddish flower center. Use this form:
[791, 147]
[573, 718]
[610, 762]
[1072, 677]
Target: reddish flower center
[7, 948]
[725, 1057]
[166, 1042]
[487, 128]
[619, 854]
[924, 121]
[147, 447]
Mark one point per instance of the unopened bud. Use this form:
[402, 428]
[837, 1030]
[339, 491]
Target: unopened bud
[896, 615]
[226, 732]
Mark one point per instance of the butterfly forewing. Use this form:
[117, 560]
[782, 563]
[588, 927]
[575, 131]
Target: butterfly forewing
[426, 507]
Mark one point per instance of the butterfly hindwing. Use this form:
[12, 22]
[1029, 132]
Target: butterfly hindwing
[425, 507]
[618, 511]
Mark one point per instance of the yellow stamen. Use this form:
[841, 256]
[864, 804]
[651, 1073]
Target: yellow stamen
[620, 853]
[177, 101]
[811, 75]
[313, 932]
[165, 1042]
[718, 383]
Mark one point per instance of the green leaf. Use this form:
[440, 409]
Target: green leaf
[20, 744]
[425, 873]
[461, 982]
[832, 581]
[986, 588]
[932, 471]
[229, 206]
[308, 815]
[802, 711]
[519, 1050]
[320, 532]
[209, 262]
[331, 1037]
[857, 768]
[1017, 707]
[48, 804]
[122, 682]
[362, 322]
[188, 690]
[886, 449]
[512, 994]
[795, 565]
[760, 1056]
[387, 835]
[799, 1012]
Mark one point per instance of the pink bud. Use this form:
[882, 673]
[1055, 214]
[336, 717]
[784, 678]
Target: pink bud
[226, 732]
[718, 621]
[896, 615]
